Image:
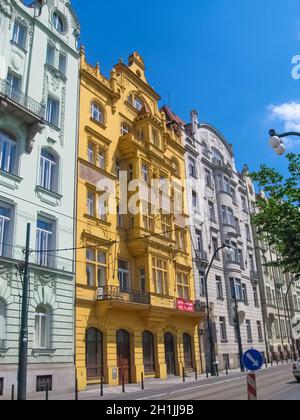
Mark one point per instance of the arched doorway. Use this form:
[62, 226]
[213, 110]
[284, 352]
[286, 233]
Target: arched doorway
[170, 354]
[123, 356]
[94, 354]
[188, 352]
[148, 352]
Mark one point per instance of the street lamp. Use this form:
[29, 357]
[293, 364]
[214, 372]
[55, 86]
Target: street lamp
[276, 141]
[294, 279]
[212, 355]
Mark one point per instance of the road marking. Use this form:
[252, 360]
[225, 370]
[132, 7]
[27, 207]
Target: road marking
[159, 395]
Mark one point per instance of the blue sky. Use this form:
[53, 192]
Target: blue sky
[229, 59]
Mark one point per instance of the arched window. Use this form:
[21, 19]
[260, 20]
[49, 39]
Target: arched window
[97, 112]
[2, 324]
[217, 156]
[48, 171]
[42, 328]
[8, 151]
[94, 353]
[58, 22]
[148, 352]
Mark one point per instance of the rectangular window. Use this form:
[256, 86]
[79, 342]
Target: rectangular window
[215, 245]
[50, 58]
[249, 331]
[260, 331]
[148, 219]
[1, 386]
[245, 294]
[124, 275]
[223, 330]
[5, 229]
[255, 295]
[212, 214]
[180, 240]
[233, 195]
[226, 185]
[20, 34]
[145, 173]
[102, 207]
[195, 201]
[269, 296]
[199, 242]
[166, 226]
[192, 168]
[236, 289]
[219, 288]
[142, 273]
[202, 284]
[208, 178]
[62, 63]
[52, 112]
[101, 159]
[43, 383]
[91, 152]
[244, 203]
[248, 233]
[91, 199]
[14, 82]
[96, 267]
[183, 286]
[160, 276]
[237, 225]
[47, 171]
[45, 241]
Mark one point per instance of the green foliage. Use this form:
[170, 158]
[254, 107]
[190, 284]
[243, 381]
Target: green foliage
[278, 220]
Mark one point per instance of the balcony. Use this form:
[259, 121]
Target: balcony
[16, 103]
[114, 293]
[19, 98]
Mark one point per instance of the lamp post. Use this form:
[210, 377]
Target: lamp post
[209, 321]
[289, 314]
[276, 140]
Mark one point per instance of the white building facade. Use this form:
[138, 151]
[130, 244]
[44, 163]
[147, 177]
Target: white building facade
[220, 214]
[280, 294]
[39, 63]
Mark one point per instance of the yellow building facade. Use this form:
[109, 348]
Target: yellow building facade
[136, 313]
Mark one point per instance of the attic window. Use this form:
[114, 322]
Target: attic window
[58, 22]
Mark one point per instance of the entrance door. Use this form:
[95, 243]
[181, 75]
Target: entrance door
[170, 354]
[94, 354]
[188, 352]
[123, 355]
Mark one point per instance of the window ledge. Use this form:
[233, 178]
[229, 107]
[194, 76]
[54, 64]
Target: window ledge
[99, 123]
[48, 196]
[10, 180]
[19, 46]
[3, 352]
[97, 220]
[43, 352]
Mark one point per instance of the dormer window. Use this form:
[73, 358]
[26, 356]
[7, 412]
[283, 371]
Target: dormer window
[58, 22]
[136, 102]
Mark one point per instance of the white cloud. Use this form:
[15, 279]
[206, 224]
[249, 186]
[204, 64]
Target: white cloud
[288, 114]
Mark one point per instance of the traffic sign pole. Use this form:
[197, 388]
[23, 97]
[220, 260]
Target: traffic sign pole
[252, 387]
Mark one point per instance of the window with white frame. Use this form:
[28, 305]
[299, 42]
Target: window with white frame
[48, 171]
[124, 275]
[5, 229]
[220, 295]
[19, 34]
[125, 129]
[14, 86]
[2, 323]
[91, 152]
[244, 203]
[249, 330]
[8, 152]
[50, 57]
[136, 102]
[91, 201]
[199, 241]
[212, 213]
[236, 289]
[52, 111]
[45, 241]
[183, 286]
[97, 112]
[145, 173]
[208, 178]
[155, 137]
[202, 283]
[58, 22]
[96, 267]
[102, 207]
[160, 276]
[62, 63]
[42, 328]
[101, 159]
[195, 201]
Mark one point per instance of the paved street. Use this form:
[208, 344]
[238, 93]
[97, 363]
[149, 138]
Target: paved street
[275, 383]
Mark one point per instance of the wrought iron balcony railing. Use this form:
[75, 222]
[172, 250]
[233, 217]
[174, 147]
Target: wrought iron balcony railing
[126, 296]
[21, 99]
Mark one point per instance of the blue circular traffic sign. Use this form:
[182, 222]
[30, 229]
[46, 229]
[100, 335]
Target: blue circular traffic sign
[253, 360]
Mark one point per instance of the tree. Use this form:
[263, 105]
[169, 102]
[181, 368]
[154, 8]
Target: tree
[278, 219]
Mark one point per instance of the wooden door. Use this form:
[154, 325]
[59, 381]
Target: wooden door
[170, 354]
[94, 354]
[188, 352]
[123, 356]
